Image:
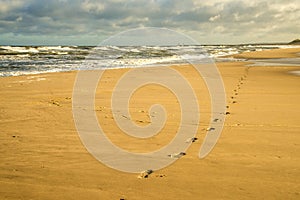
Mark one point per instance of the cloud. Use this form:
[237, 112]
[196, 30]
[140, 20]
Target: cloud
[214, 18]
[90, 21]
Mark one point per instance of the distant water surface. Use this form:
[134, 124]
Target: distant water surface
[20, 60]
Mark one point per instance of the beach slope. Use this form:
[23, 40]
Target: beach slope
[256, 157]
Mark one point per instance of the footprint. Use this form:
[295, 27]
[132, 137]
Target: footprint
[160, 175]
[54, 102]
[210, 129]
[125, 117]
[190, 140]
[145, 174]
[177, 155]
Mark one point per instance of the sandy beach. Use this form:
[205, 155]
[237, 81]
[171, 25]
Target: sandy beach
[256, 157]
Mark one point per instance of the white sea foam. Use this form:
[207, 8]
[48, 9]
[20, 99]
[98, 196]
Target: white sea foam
[60, 48]
[21, 60]
[20, 49]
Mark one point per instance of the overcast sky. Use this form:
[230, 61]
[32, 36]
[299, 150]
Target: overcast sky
[87, 22]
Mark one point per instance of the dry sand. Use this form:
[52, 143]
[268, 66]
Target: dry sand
[257, 156]
[275, 53]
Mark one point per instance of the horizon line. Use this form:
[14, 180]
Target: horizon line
[207, 44]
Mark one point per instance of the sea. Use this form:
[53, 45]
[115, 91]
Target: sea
[22, 60]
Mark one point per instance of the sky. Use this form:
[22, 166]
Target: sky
[88, 22]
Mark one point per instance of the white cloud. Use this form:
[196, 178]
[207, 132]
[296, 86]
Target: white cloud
[20, 18]
[214, 21]
[92, 6]
[9, 5]
[214, 18]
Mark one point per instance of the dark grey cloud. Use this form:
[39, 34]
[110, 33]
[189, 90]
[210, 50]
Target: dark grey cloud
[90, 21]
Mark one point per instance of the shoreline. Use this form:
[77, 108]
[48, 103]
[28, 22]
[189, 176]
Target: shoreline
[215, 55]
[256, 157]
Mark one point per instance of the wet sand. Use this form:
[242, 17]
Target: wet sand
[257, 156]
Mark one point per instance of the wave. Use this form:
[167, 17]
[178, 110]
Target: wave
[19, 60]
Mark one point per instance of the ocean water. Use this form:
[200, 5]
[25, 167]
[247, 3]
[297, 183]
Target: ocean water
[21, 60]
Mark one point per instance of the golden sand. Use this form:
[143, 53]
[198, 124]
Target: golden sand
[257, 156]
[275, 53]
